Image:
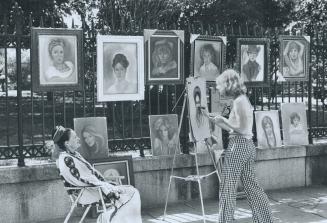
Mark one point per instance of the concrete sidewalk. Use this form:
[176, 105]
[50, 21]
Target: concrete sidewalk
[294, 205]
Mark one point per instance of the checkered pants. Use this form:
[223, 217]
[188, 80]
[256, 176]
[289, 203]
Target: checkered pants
[239, 163]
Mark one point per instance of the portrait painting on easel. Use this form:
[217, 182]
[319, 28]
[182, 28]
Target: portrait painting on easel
[197, 100]
[164, 134]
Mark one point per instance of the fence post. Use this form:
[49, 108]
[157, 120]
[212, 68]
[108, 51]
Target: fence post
[310, 90]
[18, 27]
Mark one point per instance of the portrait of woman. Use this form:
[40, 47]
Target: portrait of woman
[120, 68]
[295, 131]
[60, 70]
[252, 63]
[208, 56]
[92, 143]
[197, 99]
[208, 68]
[198, 110]
[164, 134]
[268, 128]
[293, 59]
[121, 85]
[268, 131]
[164, 64]
[57, 59]
[93, 134]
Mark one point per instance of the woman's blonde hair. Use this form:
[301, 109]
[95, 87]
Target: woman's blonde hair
[231, 82]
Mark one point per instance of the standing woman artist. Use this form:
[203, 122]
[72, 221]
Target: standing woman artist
[240, 154]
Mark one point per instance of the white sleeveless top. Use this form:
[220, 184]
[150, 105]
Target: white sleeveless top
[234, 118]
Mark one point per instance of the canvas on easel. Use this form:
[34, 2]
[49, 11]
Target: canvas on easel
[197, 100]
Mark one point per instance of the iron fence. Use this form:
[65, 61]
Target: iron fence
[28, 117]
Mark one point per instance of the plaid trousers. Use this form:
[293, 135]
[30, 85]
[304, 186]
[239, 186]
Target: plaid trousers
[239, 163]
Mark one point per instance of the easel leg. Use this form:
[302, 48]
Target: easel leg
[167, 197]
[173, 164]
[201, 199]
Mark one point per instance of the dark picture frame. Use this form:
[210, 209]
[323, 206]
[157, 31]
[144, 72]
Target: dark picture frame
[167, 69]
[208, 46]
[114, 54]
[298, 47]
[253, 60]
[122, 165]
[50, 70]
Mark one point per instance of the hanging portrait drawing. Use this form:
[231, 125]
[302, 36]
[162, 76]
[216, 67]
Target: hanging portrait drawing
[164, 56]
[294, 57]
[120, 70]
[207, 56]
[253, 57]
[164, 134]
[294, 120]
[92, 132]
[268, 130]
[57, 60]
[197, 100]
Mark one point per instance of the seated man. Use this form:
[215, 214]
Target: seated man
[78, 172]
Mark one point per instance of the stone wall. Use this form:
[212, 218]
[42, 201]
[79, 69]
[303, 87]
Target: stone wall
[35, 193]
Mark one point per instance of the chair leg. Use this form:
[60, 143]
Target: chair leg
[70, 211]
[73, 206]
[85, 213]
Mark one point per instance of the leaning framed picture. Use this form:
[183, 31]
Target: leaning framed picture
[253, 60]
[164, 134]
[208, 56]
[294, 57]
[93, 135]
[120, 68]
[57, 59]
[268, 130]
[119, 168]
[164, 56]
[294, 120]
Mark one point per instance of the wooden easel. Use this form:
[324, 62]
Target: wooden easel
[192, 178]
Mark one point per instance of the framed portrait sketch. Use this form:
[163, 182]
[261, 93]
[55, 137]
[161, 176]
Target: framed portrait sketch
[294, 57]
[208, 56]
[164, 134]
[93, 135]
[294, 120]
[268, 130]
[120, 68]
[197, 100]
[253, 60]
[116, 166]
[164, 56]
[57, 59]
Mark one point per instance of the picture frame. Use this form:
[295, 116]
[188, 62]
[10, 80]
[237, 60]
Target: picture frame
[93, 135]
[164, 134]
[116, 166]
[268, 129]
[57, 59]
[294, 57]
[253, 60]
[164, 56]
[294, 121]
[119, 58]
[208, 56]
